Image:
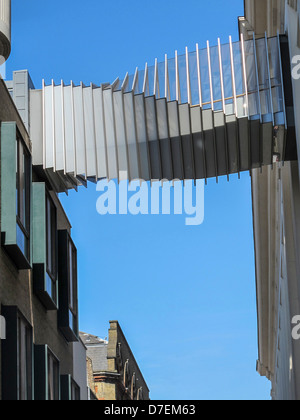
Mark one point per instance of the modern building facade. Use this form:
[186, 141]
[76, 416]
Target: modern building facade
[38, 276]
[276, 211]
[115, 375]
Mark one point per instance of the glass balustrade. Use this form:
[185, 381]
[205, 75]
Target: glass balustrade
[242, 78]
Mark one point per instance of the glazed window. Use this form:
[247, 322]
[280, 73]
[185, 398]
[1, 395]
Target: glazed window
[53, 377]
[51, 248]
[69, 390]
[15, 196]
[72, 256]
[23, 197]
[75, 391]
[17, 357]
[46, 374]
[44, 246]
[25, 349]
[67, 286]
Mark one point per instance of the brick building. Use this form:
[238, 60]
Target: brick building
[116, 374]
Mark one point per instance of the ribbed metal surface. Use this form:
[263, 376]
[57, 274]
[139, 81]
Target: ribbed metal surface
[5, 6]
[207, 113]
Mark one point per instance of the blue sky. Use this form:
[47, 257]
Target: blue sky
[184, 296]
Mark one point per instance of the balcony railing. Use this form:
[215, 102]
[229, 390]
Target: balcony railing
[242, 78]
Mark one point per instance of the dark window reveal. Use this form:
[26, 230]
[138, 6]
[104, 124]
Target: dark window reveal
[51, 248]
[25, 351]
[53, 377]
[23, 197]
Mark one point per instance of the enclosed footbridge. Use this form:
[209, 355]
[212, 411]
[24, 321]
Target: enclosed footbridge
[208, 113]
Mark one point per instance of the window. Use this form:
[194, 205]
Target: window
[44, 246]
[25, 364]
[23, 197]
[67, 281]
[46, 374]
[53, 377]
[15, 196]
[17, 357]
[51, 248]
[72, 256]
[70, 391]
[75, 391]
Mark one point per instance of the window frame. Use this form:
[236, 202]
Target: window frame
[75, 391]
[23, 203]
[51, 248]
[16, 161]
[45, 388]
[25, 355]
[45, 246]
[70, 390]
[53, 377]
[67, 287]
[17, 377]
[73, 283]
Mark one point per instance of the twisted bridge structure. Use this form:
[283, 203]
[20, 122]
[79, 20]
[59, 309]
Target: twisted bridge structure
[208, 113]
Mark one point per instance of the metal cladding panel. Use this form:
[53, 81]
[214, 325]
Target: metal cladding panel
[173, 121]
[280, 141]
[121, 135]
[221, 143]
[208, 113]
[36, 128]
[208, 121]
[210, 147]
[133, 155]
[198, 143]
[267, 144]
[176, 146]
[21, 85]
[243, 126]
[110, 136]
[101, 150]
[196, 119]
[255, 149]
[210, 154]
[89, 129]
[186, 136]
[164, 139]
[233, 150]
[141, 130]
[154, 146]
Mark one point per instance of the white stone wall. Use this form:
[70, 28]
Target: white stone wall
[5, 20]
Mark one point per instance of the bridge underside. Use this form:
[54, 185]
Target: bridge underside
[210, 113]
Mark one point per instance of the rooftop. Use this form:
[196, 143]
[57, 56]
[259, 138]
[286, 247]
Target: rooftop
[90, 339]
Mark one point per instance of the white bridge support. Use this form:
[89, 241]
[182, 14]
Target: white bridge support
[208, 113]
